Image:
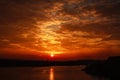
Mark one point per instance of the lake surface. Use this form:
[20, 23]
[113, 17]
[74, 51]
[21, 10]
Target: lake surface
[46, 73]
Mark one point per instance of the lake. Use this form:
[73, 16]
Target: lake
[46, 73]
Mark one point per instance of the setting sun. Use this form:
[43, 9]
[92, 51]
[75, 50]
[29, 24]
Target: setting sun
[52, 55]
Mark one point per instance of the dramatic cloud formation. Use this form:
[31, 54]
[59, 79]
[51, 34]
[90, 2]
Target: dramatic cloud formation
[71, 27]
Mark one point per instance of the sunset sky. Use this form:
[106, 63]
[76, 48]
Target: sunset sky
[67, 29]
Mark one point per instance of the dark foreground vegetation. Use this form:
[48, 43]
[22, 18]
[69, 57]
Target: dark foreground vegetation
[109, 68]
[17, 63]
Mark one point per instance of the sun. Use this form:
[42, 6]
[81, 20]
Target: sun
[52, 55]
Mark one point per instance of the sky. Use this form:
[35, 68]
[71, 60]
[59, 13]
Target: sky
[67, 29]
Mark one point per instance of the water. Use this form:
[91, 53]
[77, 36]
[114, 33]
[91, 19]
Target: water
[46, 73]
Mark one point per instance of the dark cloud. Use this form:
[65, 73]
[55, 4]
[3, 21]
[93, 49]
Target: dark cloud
[101, 17]
[107, 8]
[19, 11]
[18, 17]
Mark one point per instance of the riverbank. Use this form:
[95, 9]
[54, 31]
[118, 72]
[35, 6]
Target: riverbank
[109, 68]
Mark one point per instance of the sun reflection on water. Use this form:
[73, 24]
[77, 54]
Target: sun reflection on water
[51, 73]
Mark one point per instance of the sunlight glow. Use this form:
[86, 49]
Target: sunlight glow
[52, 55]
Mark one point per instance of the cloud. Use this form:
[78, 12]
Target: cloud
[18, 18]
[93, 26]
[59, 25]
